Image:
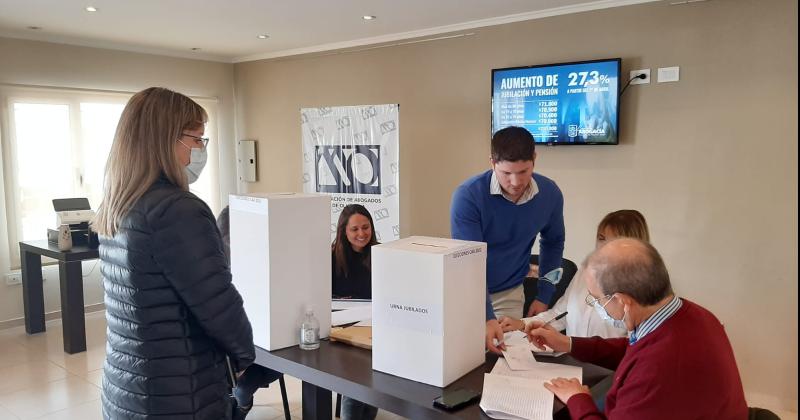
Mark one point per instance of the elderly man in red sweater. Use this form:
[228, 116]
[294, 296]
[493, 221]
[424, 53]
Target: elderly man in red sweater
[677, 362]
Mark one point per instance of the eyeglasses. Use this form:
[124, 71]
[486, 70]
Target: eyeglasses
[203, 140]
[592, 301]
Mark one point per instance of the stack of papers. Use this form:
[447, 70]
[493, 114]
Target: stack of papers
[515, 387]
[544, 372]
[353, 314]
[340, 304]
[507, 397]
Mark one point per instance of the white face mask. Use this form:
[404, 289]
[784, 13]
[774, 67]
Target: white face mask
[197, 161]
[603, 313]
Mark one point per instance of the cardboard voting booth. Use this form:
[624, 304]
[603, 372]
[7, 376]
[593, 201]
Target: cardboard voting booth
[428, 308]
[281, 262]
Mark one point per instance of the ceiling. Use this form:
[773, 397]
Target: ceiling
[227, 30]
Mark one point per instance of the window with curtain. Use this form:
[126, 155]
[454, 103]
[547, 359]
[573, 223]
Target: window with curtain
[56, 144]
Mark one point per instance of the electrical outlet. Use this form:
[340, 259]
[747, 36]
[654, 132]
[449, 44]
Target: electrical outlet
[635, 73]
[13, 278]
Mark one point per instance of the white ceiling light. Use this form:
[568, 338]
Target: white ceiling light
[263, 36]
[91, 9]
[369, 17]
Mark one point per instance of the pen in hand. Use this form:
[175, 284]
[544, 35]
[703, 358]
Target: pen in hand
[538, 342]
[555, 318]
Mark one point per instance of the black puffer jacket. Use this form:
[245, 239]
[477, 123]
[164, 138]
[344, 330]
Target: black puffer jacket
[172, 312]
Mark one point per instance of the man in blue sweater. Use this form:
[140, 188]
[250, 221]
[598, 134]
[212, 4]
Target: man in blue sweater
[508, 207]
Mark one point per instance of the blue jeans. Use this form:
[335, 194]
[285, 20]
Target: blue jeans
[252, 378]
[357, 410]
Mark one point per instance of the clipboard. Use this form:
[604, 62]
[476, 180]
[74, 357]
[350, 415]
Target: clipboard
[354, 336]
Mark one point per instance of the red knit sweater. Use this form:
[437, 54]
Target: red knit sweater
[684, 369]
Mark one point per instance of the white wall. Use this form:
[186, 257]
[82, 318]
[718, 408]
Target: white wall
[46, 64]
[711, 161]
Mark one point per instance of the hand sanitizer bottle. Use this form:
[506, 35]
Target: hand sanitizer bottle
[309, 331]
[64, 238]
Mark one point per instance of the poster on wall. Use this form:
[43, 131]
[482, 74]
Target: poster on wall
[352, 154]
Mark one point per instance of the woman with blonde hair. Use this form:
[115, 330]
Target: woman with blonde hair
[581, 319]
[172, 312]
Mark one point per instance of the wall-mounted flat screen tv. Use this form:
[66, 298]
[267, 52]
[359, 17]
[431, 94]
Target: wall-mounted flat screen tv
[565, 103]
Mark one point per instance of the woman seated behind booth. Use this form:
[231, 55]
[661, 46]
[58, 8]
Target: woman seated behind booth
[350, 254]
[581, 320]
[255, 376]
[352, 278]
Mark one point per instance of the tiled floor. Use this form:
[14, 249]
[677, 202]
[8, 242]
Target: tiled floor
[39, 381]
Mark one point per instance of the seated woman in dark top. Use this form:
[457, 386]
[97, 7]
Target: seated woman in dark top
[350, 254]
[352, 278]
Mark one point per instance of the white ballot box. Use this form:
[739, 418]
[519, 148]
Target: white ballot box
[281, 262]
[428, 308]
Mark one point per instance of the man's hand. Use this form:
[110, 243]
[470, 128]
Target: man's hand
[511, 324]
[494, 332]
[533, 271]
[540, 336]
[536, 307]
[564, 389]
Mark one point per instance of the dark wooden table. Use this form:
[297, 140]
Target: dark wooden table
[71, 283]
[348, 370]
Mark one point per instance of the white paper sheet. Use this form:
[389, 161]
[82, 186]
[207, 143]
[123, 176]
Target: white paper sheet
[543, 371]
[507, 397]
[519, 338]
[348, 316]
[340, 304]
[520, 358]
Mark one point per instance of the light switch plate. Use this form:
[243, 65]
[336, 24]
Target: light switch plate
[247, 161]
[13, 278]
[669, 74]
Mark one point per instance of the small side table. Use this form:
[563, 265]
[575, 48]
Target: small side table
[71, 281]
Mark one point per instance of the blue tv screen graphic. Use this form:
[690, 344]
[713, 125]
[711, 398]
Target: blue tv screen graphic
[571, 103]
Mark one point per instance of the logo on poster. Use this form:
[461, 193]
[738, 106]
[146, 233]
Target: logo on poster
[390, 190]
[381, 214]
[318, 134]
[572, 130]
[388, 127]
[348, 169]
[343, 123]
[369, 112]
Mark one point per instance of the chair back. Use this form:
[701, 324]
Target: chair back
[530, 285]
[755, 413]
